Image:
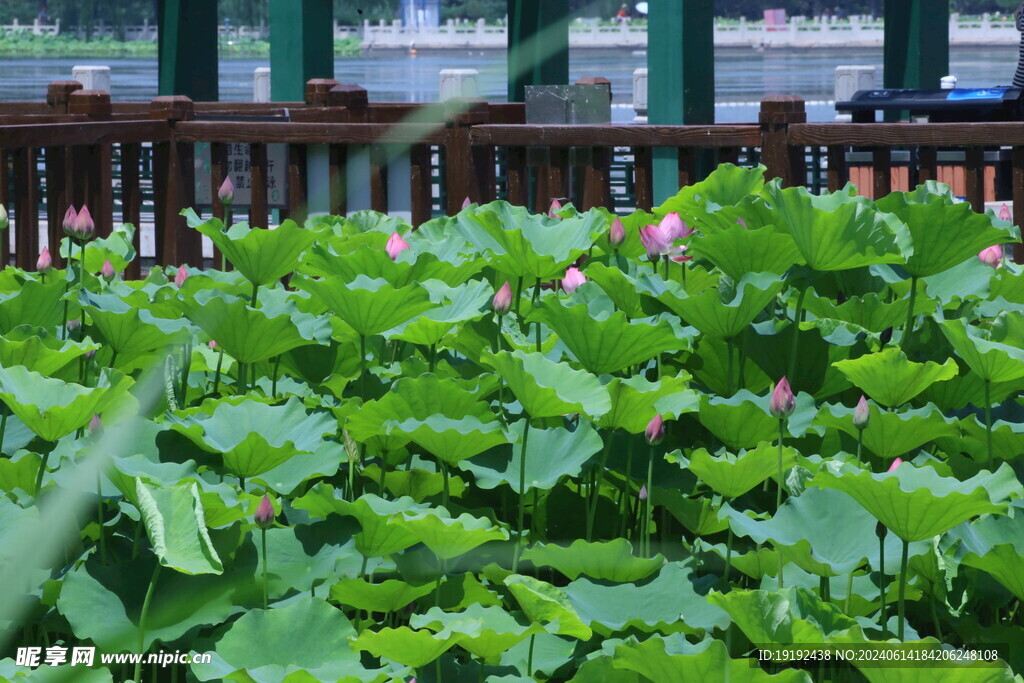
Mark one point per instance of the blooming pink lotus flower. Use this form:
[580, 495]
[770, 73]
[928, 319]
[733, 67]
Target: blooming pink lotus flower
[782, 403]
[895, 463]
[181, 276]
[992, 256]
[503, 299]
[84, 227]
[226, 192]
[1004, 213]
[861, 414]
[573, 279]
[678, 254]
[108, 270]
[655, 242]
[643, 492]
[553, 210]
[655, 431]
[70, 216]
[264, 516]
[673, 227]
[616, 233]
[44, 263]
[466, 203]
[396, 245]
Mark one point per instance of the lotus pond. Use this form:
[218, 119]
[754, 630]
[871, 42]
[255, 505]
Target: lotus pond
[516, 447]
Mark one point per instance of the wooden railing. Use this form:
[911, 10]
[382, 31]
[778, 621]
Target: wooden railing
[79, 148]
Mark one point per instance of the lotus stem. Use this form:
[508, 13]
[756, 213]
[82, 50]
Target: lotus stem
[99, 519]
[444, 487]
[778, 496]
[263, 543]
[216, 376]
[381, 480]
[3, 426]
[595, 495]
[988, 417]
[529, 657]
[794, 346]
[362, 364]
[241, 483]
[666, 267]
[728, 350]
[433, 357]
[628, 486]
[497, 335]
[142, 620]
[849, 591]
[273, 383]
[186, 366]
[519, 294]
[938, 627]
[113, 359]
[728, 559]
[860, 445]
[522, 497]
[881, 578]
[39, 475]
[255, 290]
[903, 587]
[908, 327]
[649, 505]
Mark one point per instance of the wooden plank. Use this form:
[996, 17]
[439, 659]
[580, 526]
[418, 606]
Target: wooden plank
[90, 133]
[100, 187]
[338, 177]
[173, 170]
[881, 171]
[838, 173]
[901, 134]
[131, 202]
[485, 167]
[378, 179]
[5, 245]
[459, 173]
[975, 177]
[926, 165]
[26, 208]
[686, 168]
[1017, 162]
[597, 179]
[516, 176]
[642, 178]
[617, 135]
[56, 199]
[557, 178]
[421, 185]
[307, 133]
[258, 184]
[297, 198]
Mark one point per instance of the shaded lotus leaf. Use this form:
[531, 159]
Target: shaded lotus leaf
[545, 604]
[370, 306]
[991, 360]
[724, 311]
[967, 389]
[892, 380]
[839, 231]
[447, 536]
[916, 503]
[699, 515]
[868, 311]
[636, 400]
[1007, 440]
[599, 669]
[675, 659]
[53, 408]
[612, 561]
[261, 255]
[416, 482]
[743, 420]
[549, 389]
[620, 287]
[573, 448]
[453, 306]
[890, 434]
[33, 302]
[19, 470]
[737, 251]
[939, 670]
[758, 563]
[40, 352]
[129, 330]
[387, 596]
[285, 652]
[125, 470]
[787, 616]
[994, 544]
[176, 527]
[377, 538]
[488, 631]
[406, 646]
[944, 233]
[733, 474]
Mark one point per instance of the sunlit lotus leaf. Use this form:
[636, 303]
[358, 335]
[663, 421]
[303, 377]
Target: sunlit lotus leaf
[370, 306]
[737, 251]
[543, 470]
[945, 233]
[128, 330]
[116, 248]
[916, 503]
[868, 311]
[636, 400]
[53, 408]
[261, 255]
[19, 471]
[1007, 440]
[125, 470]
[725, 311]
[699, 515]
[549, 389]
[938, 670]
[285, 652]
[966, 389]
[453, 306]
[176, 527]
[35, 303]
[733, 474]
[447, 536]
[612, 561]
[406, 646]
[386, 596]
[743, 420]
[488, 631]
[726, 185]
[620, 287]
[991, 360]
[545, 604]
[675, 659]
[40, 353]
[892, 380]
[599, 669]
[791, 615]
[890, 434]
[323, 261]
[838, 231]
[995, 544]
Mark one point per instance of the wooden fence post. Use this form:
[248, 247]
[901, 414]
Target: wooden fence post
[93, 164]
[777, 112]
[463, 174]
[317, 90]
[174, 180]
[58, 170]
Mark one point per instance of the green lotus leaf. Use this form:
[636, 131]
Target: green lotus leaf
[890, 434]
[545, 604]
[416, 483]
[406, 646]
[715, 312]
[916, 503]
[447, 536]
[40, 353]
[128, 330]
[868, 311]
[612, 561]
[636, 400]
[324, 260]
[610, 343]
[837, 231]
[454, 305]
[125, 470]
[543, 471]
[675, 659]
[743, 420]
[599, 669]
[116, 248]
[791, 615]
[1007, 440]
[992, 361]
[488, 631]
[549, 389]
[19, 471]
[731, 474]
[53, 408]
[892, 380]
[945, 234]
[369, 306]
[285, 652]
[939, 670]
[726, 185]
[737, 251]
[620, 287]
[669, 600]
[261, 255]
[995, 544]
[387, 596]
[699, 515]
[174, 521]
[36, 303]
[377, 538]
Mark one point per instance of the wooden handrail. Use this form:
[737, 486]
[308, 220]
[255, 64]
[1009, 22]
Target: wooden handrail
[308, 133]
[616, 135]
[1004, 133]
[82, 133]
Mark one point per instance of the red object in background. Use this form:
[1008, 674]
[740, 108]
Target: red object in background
[774, 19]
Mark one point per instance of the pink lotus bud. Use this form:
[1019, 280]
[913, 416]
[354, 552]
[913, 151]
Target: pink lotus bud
[743, 223]
[895, 463]
[678, 256]
[643, 492]
[181, 276]
[992, 256]
[861, 414]
[44, 263]
[90, 354]
[396, 245]
[264, 516]
[108, 270]
[74, 324]
[226, 193]
[84, 228]
[673, 227]
[655, 431]
[573, 279]
[1004, 213]
[616, 233]
[69, 221]
[782, 403]
[553, 210]
[212, 344]
[503, 299]
[95, 426]
[4, 220]
[654, 242]
[466, 203]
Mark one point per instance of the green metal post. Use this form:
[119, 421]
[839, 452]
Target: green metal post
[681, 78]
[301, 46]
[538, 45]
[187, 51]
[916, 52]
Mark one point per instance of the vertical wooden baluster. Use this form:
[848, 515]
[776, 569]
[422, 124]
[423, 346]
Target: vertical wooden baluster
[378, 179]
[338, 172]
[1017, 161]
[558, 177]
[516, 176]
[974, 161]
[421, 188]
[838, 173]
[298, 197]
[687, 167]
[927, 166]
[174, 183]
[219, 170]
[597, 179]
[258, 183]
[131, 203]
[881, 169]
[643, 181]
[26, 208]
[5, 200]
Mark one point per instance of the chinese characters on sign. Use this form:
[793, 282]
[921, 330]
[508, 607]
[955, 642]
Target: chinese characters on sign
[238, 167]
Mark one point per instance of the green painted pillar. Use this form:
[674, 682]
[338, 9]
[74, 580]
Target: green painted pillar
[916, 52]
[187, 49]
[681, 78]
[538, 45]
[301, 46]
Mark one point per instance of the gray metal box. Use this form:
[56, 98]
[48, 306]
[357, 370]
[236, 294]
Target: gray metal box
[568, 104]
